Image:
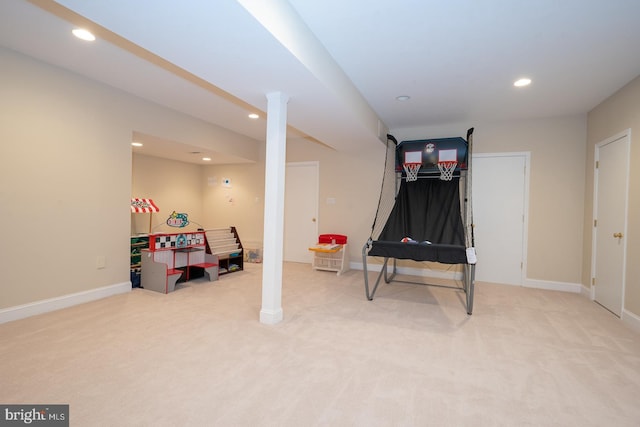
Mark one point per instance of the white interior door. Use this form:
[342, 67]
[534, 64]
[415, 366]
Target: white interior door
[610, 213]
[500, 217]
[300, 211]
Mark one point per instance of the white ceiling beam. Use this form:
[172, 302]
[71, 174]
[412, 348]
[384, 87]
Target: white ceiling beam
[285, 24]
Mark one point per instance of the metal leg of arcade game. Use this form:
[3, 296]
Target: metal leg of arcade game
[469, 271]
[383, 273]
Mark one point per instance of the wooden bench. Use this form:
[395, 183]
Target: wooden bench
[210, 269]
[158, 277]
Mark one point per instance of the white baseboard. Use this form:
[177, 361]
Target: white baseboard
[553, 286]
[57, 303]
[628, 318]
[271, 317]
[587, 292]
[632, 320]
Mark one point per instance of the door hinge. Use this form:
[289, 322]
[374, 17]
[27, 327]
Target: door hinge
[597, 164]
[521, 265]
[593, 281]
[595, 222]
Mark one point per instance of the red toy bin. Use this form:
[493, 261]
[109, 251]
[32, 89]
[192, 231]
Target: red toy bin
[332, 238]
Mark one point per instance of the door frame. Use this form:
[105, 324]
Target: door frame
[625, 134]
[526, 155]
[316, 191]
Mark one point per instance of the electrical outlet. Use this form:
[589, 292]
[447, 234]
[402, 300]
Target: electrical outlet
[100, 261]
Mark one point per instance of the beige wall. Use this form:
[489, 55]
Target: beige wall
[616, 114]
[556, 199]
[353, 180]
[556, 187]
[65, 163]
[198, 191]
[65, 178]
[240, 205]
[173, 186]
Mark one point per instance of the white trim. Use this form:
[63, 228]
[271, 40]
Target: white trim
[630, 319]
[625, 134]
[575, 288]
[57, 303]
[271, 317]
[525, 207]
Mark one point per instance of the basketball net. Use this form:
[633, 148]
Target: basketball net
[411, 169]
[446, 170]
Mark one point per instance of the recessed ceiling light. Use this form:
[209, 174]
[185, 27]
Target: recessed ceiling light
[137, 144]
[206, 159]
[254, 116]
[403, 98]
[522, 82]
[83, 34]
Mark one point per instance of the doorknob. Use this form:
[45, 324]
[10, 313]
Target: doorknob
[313, 220]
[618, 235]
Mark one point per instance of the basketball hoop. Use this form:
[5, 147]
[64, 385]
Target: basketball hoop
[411, 169]
[446, 170]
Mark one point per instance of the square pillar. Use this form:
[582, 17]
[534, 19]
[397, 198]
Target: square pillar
[275, 162]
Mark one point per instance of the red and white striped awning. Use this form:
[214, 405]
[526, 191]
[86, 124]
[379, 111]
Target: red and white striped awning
[143, 206]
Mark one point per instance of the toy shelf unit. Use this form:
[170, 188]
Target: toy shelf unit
[226, 245]
[138, 243]
[330, 253]
[176, 257]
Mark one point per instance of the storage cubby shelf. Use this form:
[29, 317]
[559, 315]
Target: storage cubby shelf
[226, 244]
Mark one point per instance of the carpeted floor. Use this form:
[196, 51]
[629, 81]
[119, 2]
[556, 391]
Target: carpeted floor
[411, 357]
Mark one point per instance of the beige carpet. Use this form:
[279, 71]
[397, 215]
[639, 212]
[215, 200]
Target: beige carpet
[412, 357]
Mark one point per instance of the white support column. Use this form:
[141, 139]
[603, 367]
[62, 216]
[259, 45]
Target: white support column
[275, 162]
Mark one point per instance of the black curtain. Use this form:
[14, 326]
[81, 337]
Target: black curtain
[426, 209]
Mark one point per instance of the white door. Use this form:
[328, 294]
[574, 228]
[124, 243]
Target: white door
[500, 194]
[300, 211]
[610, 213]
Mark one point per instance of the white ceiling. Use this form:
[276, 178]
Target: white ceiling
[341, 62]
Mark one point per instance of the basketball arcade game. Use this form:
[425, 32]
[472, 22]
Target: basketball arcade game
[429, 217]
